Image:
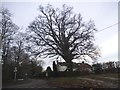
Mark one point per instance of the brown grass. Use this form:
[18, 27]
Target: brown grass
[78, 82]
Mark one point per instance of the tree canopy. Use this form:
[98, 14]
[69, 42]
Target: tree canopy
[60, 32]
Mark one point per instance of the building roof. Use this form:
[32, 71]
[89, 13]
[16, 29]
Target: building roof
[84, 65]
[76, 65]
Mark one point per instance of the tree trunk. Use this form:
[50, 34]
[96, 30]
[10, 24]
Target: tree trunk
[68, 58]
[70, 66]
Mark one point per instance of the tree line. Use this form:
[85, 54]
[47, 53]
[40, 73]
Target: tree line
[13, 50]
[107, 67]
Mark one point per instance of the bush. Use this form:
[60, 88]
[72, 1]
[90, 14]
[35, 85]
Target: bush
[63, 74]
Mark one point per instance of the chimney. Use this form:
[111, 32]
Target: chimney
[82, 61]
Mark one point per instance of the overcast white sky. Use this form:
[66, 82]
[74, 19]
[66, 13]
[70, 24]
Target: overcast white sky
[104, 14]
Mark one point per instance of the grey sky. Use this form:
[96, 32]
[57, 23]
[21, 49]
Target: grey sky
[104, 14]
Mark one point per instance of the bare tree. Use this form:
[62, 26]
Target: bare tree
[19, 42]
[61, 33]
[7, 29]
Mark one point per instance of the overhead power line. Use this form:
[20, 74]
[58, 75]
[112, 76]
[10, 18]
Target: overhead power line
[109, 27]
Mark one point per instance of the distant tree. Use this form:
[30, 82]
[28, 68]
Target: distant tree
[97, 68]
[54, 66]
[110, 65]
[63, 34]
[19, 55]
[19, 46]
[23, 65]
[7, 29]
[117, 64]
[35, 67]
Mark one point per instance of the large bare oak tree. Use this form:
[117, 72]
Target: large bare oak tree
[59, 32]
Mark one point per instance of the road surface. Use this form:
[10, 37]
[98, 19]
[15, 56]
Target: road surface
[34, 83]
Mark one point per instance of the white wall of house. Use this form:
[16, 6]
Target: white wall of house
[61, 68]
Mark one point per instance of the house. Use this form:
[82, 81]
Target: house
[84, 67]
[62, 66]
